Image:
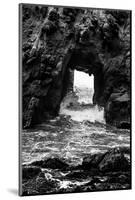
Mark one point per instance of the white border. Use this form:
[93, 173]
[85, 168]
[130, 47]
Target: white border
[9, 98]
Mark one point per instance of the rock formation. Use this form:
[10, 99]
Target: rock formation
[56, 40]
[110, 170]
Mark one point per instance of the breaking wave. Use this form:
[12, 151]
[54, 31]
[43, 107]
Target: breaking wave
[78, 106]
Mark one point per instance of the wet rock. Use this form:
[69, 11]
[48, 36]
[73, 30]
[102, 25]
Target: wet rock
[110, 161]
[120, 16]
[114, 160]
[124, 150]
[124, 125]
[53, 163]
[118, 110]
[45, 185]
[116, 93]
[92, 161]
[114, 179]
[39, 185]
[79, 174]
[47, 81]
[121, 178]
[26, 46]
[48, 74]
[108, 186]
[29, 172]
[125, 179]
[50, 27]
[30, 112]
[53, 15]
[48, 69]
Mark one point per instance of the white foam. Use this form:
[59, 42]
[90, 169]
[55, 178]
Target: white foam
[93, 114]
[74, 102]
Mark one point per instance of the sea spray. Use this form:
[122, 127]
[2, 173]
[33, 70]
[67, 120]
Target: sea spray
[73, 106]
[93, 114]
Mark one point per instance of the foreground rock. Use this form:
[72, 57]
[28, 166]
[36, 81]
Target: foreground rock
[39, 185]
[114, 161]
[29, 172]
[53, 163]
[111, 161]
[107, 171]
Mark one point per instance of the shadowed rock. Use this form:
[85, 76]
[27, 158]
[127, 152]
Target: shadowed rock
[29, 172]
[53, 163]
[92, 161]
[39, 185]
[98, 172]
[114, 161]
[111, 161]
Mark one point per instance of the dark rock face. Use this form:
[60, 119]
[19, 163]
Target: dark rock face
[114, 161]
[29, 172]
[93, 41]
[45, 185]
[118, 106]
[124, 125]
[53, 163]
[92, 161]
[110, 161]
[39, 185]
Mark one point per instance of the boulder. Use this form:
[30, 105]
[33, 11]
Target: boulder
[39, 185]
[53, 163]
[117, 110]
[29, 172]
[44, 185]
[114, 160]
[92, 161]
[124, 125]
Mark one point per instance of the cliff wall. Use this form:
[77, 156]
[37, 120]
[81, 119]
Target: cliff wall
[58, 40]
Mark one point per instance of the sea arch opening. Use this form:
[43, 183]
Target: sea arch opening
[78, 101]
[83, 86]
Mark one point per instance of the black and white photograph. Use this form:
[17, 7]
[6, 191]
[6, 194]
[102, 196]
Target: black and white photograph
[75, 99]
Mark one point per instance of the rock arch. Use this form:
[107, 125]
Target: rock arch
[92, 41]
[86, 60]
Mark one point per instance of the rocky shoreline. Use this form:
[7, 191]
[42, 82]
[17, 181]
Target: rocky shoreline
[98, 172]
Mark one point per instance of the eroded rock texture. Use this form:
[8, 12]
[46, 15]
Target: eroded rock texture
[56, 40]
[110, 170]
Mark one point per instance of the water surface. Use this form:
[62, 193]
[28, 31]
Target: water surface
[79, 130]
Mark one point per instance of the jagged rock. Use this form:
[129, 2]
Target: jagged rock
[30, 112]
[125, 179]
[47, 81]
[53, 15]
[48, 69]
[122, 179]
[118, 110]
[124, 125]
[49, 28]
[44, 184]
[110, 161]
[39, 184]
[53, 163]
[92, 161]
[94, 41]
[114, 161]
[109, 170]
[29, 172]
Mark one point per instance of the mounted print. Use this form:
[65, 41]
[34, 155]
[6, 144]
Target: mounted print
[75, 99]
